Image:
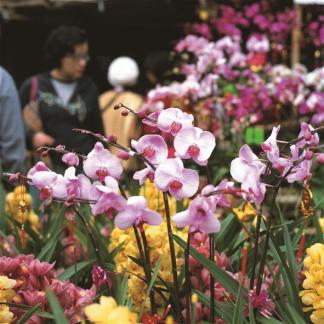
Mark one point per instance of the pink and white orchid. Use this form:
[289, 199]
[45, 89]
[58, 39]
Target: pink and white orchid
[194, 143]
[107, 197]
[70, 159]
[136, 213]
[100, 163]
[200, 216]
[220, 198]
[171, 120]
[247, 169]
[152, 147]
[142, 175]
[50, 184]
[173, 177]
[309, 138]
[77, 186]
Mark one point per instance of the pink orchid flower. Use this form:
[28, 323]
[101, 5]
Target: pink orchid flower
[50, 184]
[142, 175]
[152, 147]
[100, 163]
[309, 138]
[194, 143]
[200, 216]
[136, 213]
[173, 177]
[70, 159]
[247, 169]
[270, 147]
[107, 197]
[77, 186]
[171, 120]
[219, 199]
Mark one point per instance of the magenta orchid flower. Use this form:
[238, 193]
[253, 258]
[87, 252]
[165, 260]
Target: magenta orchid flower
[70, 159]
[136, 213]
[142, 175]
[171, 120]
[200, 216]
[152, 147]
[107, 197]
[77, 186]
[247, 169]
[194, 143]
[173, 177]
[100, 163]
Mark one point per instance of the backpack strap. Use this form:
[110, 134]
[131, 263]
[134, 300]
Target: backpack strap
[33, 88]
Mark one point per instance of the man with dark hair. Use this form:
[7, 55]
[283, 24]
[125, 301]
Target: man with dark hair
[62, 98]
[12, 138]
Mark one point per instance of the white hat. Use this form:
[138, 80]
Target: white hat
[123, 71]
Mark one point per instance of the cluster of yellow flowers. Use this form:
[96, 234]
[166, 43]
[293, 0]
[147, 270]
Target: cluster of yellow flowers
[107, 312]
[6, 295]
[19, 206]
[313, 295]
[157, 239]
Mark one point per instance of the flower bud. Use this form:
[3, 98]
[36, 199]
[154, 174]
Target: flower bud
[309, 155]
[320, 158]
[70, 159]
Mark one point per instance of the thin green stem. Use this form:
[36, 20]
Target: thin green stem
[212, 279]
[187, 274]
[93, 242]
[173, 256]
[148, 269]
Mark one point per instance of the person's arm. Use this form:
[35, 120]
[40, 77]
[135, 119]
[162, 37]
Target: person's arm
[12, 138]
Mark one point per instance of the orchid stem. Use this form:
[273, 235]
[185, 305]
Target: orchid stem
[187, 271]
[93, 242]
[212, 279]
[173, 256]
[148, 269]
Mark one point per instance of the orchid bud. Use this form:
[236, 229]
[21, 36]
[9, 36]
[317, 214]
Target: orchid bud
[320, 158]
[71, 159]
[309, 155]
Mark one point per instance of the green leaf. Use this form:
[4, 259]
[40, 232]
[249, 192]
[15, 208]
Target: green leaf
[122, 284]
[74, 269]
[254, 135]
[27, 308]
[47, 251]
[29, 314]
[238, 311]
[223, 309]
[57, 310]
[219, 274]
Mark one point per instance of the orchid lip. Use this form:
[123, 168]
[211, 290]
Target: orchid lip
[175, 127]
[193, 150]
[149, 152]
[175, 185]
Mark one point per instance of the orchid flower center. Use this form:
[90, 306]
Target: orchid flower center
[175, 127]
[150, 176]
[45, 193]
[201, 212]
[175, 185]
[102, 173]
[149, 152]
[193, 150]
[266, 147]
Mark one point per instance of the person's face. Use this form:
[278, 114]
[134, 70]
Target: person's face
[74, 65]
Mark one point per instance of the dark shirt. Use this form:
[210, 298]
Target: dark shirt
[58, 120]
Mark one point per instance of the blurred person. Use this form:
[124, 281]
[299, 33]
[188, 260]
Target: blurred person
[62, 98]
[123, 73]
[12, 138]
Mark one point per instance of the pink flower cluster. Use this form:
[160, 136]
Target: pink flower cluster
[33, 278]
